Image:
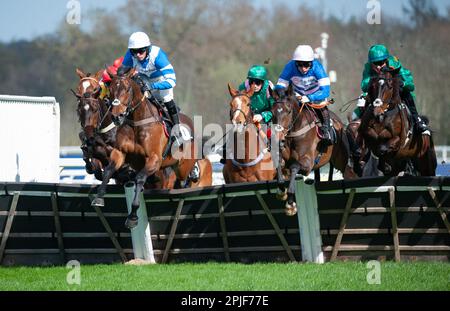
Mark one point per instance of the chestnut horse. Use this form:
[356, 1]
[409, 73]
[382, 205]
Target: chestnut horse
[141, 140]
[254, 163]
[388, 132]
[296, 129]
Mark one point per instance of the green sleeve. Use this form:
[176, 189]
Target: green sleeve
[366, 77]
[267, 116]
[242, 86]
[408, 80]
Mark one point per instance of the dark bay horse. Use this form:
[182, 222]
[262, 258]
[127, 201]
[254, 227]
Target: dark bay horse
[296, 129]
[254, 162]
[141, 140]
[98, 131]
[388, 132]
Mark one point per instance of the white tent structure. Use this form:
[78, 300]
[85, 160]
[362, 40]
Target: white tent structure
[29, 137]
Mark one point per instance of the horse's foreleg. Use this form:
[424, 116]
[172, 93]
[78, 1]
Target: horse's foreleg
[291, 206]
[117, 159]
[282, 192]
[152, 165]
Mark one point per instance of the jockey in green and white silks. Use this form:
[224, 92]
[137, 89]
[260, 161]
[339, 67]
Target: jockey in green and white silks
[261, 101]
[378, 58]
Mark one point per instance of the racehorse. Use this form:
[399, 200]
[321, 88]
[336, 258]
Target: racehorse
[87, 91]
[98, 131]
[388, 131]
[141, 140]
[296, 128]
[255, 161]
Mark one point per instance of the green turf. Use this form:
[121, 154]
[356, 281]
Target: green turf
[216, 276]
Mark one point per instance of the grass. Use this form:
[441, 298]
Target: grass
[224, 277]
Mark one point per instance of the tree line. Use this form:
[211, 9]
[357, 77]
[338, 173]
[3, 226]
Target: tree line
[212, 43]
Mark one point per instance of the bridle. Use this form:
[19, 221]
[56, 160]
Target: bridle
[285, 131]
[130, 109]
[246, 116]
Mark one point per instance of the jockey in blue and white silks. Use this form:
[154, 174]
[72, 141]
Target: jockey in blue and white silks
[310, 82]
[155, 72]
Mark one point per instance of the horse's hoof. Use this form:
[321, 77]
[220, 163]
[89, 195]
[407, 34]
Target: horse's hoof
[282, 195]
[131, 222]
[100, 202]
[290, 209]
[98, 175]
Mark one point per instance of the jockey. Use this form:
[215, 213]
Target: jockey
[261, 101]
[310, 81]
[155, 72]
[378, 58]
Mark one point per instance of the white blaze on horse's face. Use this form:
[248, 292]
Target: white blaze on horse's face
[86, 107]
[238, 109]
[115, 102]
[85, 85]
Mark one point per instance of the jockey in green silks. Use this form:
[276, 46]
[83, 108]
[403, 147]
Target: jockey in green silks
[261, 101]
[378, 58]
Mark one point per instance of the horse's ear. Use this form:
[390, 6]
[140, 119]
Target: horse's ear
[75, 94]
[396, 71]
[233, 92]
[131, 73]
[290, 90]
[251, 91]
[274, 93]
[80, 73]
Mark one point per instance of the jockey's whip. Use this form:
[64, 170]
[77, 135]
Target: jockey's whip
[345, 107]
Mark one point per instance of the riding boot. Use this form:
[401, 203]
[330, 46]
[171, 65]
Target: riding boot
[421, 125]
[173, 112]
[325, 128]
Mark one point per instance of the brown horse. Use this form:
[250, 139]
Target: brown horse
[98, 131]
[141, 140]
[99, 134]
[388, 132]
[254, 163]
[296, 130]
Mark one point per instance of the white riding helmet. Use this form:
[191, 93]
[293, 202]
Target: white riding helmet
[138, 40]
[303, 53]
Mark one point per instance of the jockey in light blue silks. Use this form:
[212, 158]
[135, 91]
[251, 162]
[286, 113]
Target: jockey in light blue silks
[310, 82]
[155, 73]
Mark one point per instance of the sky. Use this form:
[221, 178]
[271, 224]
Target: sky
[26, 19]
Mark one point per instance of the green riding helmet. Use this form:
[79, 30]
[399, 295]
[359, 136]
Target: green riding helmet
[257, 72]
[377, 53]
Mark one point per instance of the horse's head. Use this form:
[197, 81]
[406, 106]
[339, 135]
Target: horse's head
[88, 84]
[122, 89]
[283, 111]
[88, 110]
[240, 111]
[384, 91]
